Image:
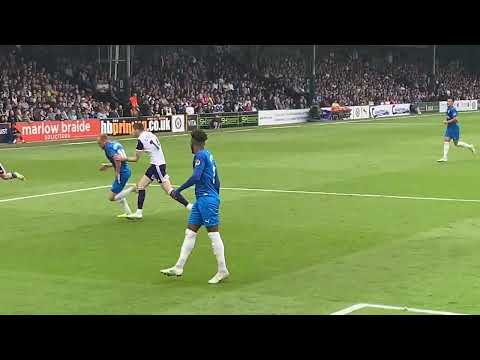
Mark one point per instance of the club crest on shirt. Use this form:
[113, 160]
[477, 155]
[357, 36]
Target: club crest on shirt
[197, 162]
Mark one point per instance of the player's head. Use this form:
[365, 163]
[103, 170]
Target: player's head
[199, 137]
[450, 101]
[102, 140]
[138, 128]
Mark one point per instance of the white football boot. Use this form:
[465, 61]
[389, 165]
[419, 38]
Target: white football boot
[219, 276]
[173, 271]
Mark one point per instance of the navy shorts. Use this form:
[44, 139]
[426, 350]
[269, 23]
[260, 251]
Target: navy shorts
[157, 172]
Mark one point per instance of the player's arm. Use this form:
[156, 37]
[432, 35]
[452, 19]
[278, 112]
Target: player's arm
[197, 174]
[118, 164]
[105, 166]
[138, 152]
[117, 159]
[452, 120]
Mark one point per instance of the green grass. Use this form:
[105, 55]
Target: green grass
[288, 253]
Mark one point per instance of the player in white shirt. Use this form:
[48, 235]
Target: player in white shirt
[149, 143]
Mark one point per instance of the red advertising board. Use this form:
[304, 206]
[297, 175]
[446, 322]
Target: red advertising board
[59, 130]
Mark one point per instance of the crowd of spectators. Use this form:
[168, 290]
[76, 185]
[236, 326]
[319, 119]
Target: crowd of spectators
[362, 82]
[30, 92]
[180, 82]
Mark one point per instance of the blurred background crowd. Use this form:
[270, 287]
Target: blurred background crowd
[42, 84]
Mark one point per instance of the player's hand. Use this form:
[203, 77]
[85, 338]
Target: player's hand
[173, 194]
[445, 121]
[103, 167]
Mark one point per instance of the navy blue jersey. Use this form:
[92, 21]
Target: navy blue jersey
[451, 113]
[113, 149]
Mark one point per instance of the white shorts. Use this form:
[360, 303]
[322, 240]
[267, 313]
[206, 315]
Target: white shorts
[2, 170]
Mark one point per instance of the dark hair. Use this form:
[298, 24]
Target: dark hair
[199, 136]
[451, 98]
[138, 126]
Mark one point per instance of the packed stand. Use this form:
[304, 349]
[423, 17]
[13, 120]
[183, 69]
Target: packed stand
[182, 83]
[218, 81]
[29, 92]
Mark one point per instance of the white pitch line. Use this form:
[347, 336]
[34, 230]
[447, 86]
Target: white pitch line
[52, 194]
[357, 307]
[395, 124]
[421, 311]
[352, 194]
[350, 309]
[272, 191]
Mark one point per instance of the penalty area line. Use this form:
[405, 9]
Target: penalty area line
[357, 307]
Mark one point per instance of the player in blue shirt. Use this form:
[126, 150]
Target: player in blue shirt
[117, 158]
[205, 210]
[453, 132]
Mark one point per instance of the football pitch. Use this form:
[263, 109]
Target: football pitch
[315, 218]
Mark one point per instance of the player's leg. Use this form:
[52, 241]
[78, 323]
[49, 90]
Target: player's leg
[194, 223]
[210, 214]
[163, 178]
[168, 188]
[464, 145]
[142, 185]
[117, 187]
[10, 175]
[124, 193]
[219, 252]
[446, 148]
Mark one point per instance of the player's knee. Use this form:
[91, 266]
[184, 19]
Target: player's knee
[212, 229]
[192, 228]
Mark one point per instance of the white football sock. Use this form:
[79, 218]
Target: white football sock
[123, 194]
[187, 247]
[446, 147]
[124, 204]
[218, 250]
[464, 145]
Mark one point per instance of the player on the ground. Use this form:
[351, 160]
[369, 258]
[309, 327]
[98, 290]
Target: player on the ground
[118, 161]
[453, 132]
[149, 143]
[10, 175]
[205, 211]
